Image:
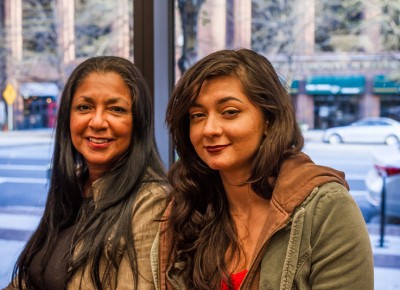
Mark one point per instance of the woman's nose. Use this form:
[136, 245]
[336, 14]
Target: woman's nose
[98, 120]
[212, 127]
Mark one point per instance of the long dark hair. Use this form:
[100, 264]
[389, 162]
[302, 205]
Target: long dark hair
[113, 212]
[200, 214]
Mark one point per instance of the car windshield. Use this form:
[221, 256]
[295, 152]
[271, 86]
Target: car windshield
[372, 123]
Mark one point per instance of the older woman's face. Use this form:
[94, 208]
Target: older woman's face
[101, 120]
[226, 129]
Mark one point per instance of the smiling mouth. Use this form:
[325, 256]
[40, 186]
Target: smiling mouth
[98, 140]
[215, 148]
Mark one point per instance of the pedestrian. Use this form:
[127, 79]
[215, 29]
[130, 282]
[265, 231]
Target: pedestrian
[249, 209]
[107, 189]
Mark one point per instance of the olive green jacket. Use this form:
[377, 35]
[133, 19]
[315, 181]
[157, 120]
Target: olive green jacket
[314, 236]
[147, 210]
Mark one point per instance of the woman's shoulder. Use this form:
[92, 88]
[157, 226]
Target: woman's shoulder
[327, 191]
[152, 194]
[333, 191]
[156, 189]
[332, 199]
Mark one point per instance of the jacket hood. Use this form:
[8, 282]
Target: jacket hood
[298, 176]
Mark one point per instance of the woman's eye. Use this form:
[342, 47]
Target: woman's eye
[230, 112]
[196, 115]
[118, 109]
[82, 108]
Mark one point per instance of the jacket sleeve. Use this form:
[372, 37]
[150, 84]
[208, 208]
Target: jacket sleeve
[341, 255]
[149, 208]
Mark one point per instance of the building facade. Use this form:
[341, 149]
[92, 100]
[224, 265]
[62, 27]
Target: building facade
[339, 66]
[43, 40]
[341, 62]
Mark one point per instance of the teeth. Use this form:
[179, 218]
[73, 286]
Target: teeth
[98, 141]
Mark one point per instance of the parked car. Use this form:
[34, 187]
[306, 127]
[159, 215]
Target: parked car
[367, 130]
[388, 170]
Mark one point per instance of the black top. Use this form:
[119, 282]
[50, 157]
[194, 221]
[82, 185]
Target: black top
[55, 272]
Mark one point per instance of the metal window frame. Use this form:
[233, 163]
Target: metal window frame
[154, 54]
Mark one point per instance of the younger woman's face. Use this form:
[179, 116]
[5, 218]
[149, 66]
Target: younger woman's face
[101, 119]
[226, 129]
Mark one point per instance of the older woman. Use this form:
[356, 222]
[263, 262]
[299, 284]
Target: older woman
[107, 189]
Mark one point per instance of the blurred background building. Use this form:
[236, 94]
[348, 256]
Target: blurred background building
[339, 59]
[42, 41]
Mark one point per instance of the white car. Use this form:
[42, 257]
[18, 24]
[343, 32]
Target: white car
[388, 171]
[367, 130]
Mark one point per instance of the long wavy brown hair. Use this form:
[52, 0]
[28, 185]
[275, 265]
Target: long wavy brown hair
[200, 219]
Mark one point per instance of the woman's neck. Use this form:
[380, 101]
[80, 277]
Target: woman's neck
[241, 197]
[90, 180]
[248, 212]
[243, 201]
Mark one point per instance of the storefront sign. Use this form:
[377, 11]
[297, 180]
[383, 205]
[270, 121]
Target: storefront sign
[386, 85]
[309, 66]
[335, 85]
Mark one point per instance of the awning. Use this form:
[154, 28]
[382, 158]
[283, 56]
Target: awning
[335, 85]
[294, 88]
[385, 85]
[38, 90]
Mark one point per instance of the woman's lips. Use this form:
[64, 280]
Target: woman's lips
[214, 149]
[99, 143]
[98, 140]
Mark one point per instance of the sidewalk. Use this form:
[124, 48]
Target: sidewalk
[387, 258]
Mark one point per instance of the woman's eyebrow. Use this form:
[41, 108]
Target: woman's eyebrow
[226, 99]
[218, 102]
[115, 100]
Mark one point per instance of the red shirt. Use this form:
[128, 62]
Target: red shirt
[236, 279]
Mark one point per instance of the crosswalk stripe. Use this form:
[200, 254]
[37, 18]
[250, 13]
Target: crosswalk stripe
[23, 180]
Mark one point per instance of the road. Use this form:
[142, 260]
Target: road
[23, 175]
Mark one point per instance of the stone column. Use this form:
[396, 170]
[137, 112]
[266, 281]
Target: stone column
[304, 106]
[121, 29]
[13, 27]
[304, 30]
[66, 30]
[242, 15]
[372, 30]
[13, 40]
[370, 104]
[212, 27]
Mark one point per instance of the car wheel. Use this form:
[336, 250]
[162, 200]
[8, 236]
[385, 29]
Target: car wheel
[334, 139]
[391, 140]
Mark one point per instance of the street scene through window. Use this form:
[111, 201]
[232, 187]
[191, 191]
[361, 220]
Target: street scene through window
[339, 60]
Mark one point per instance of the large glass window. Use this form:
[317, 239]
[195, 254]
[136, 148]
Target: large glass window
[39, 28]
[103, 27]
[391, 25]
[339, 25]
[272, 26]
